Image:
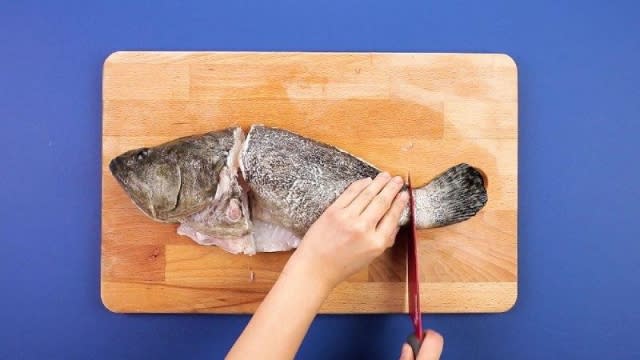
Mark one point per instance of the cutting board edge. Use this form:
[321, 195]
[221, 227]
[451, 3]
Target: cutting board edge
[119, 55]
[487, 304]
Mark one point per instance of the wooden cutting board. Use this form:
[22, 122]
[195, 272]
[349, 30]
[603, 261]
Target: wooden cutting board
[418, 112]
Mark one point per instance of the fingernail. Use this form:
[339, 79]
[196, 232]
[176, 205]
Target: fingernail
[398, 180]
[384, 175]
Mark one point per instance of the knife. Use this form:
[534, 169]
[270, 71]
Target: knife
[413, 282]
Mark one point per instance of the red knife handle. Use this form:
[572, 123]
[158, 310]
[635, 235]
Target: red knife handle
[415, 344]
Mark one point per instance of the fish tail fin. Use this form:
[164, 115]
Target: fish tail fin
[453, 196]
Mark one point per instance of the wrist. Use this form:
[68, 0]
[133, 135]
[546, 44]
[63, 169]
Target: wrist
[315, 279]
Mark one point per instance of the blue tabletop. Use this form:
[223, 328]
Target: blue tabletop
[579, 243]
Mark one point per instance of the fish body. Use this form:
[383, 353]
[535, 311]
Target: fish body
[262, 193]
[293, 179]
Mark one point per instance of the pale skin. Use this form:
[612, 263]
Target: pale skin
[354, 230]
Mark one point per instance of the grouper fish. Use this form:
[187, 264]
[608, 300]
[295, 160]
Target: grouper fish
[262, 193]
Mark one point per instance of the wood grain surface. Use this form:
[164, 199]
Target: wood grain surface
[417, 112]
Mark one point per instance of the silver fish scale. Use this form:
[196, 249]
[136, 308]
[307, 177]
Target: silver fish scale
[294, 179]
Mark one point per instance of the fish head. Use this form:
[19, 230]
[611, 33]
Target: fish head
[152, 180]
[176, 179]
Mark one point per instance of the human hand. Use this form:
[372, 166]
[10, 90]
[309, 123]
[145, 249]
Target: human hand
[354, 230]
[431, 348]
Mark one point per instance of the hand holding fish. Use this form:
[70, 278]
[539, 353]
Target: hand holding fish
[353, 231]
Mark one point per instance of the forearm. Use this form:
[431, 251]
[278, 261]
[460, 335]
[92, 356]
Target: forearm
[280, 323]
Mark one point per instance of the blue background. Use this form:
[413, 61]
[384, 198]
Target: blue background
[579, 246]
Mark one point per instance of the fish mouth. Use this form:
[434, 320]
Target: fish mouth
[119, 171]
[115, 167]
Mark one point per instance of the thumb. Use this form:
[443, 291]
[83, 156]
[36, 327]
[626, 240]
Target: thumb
[431, 348]
[407, 353]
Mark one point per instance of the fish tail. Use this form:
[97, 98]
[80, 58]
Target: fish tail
[453, 196]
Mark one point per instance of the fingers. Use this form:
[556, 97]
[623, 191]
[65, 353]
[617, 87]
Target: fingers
[367, 194]
[388, 225]
[407, 353]
[381, 203]
[351, 192]
[431, 348]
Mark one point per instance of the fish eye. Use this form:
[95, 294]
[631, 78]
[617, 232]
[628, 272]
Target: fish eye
[142, 154]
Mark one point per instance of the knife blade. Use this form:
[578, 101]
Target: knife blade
[413, 281]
